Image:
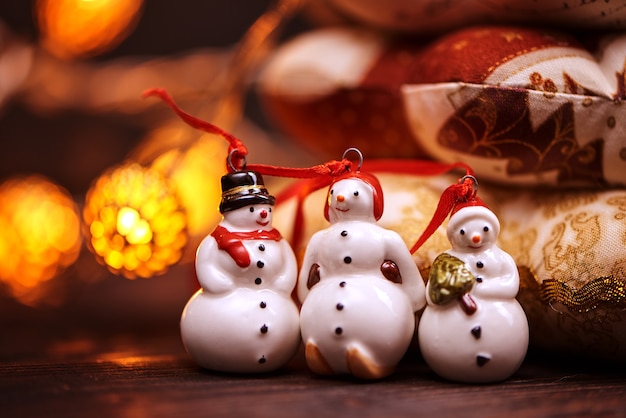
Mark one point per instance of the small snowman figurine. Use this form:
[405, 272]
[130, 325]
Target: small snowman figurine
[243, 318]
[473, 329]
[359, 286]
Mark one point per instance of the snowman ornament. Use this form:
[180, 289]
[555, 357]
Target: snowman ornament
[243, 318]
[473, 329]
[358, 285]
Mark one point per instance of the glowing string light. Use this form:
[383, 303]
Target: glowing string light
[39, 235]
[82, 28]
[136, 223]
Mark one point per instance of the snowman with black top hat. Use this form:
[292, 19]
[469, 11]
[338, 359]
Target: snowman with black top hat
[243, 318]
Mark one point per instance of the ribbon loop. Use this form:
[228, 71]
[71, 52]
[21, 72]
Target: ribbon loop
[463, 191]
[236, 147]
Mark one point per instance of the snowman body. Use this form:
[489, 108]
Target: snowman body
[354, 319]
[243, 318]
[490, 343]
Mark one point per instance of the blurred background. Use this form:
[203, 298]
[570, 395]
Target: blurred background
[104, 196]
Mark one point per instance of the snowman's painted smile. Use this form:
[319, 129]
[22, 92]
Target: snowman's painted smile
[342, 210]
[263, 223]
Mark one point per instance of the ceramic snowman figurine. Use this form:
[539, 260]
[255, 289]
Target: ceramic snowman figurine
[359, 286]
[243, 318]
[473, 329]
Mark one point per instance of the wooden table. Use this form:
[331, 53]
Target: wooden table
[71, 363]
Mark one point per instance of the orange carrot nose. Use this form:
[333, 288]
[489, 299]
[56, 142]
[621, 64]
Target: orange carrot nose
[476, 239]
[340, 198]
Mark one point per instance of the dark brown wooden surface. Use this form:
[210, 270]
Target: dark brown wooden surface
[133, 385]
[61, 368]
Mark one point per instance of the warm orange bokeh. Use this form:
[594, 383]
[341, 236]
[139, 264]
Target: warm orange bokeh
[39, 235]
[81, 28]
[136, 224]
[195, 163]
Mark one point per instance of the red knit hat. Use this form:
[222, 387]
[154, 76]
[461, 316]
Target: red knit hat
[474, 201]
[483, 212]
[369, 179]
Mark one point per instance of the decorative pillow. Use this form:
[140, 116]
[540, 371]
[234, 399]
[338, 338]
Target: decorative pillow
[337, 88]
[521, 105]
[569, 248]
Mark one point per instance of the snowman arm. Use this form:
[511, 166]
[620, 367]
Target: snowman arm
[505, 285]
[429, 301]
[286, 279]
[310, 258]
[412, 282]
[210, 276]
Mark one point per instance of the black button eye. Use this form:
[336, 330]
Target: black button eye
[251, 208]
[270, 210]
[356, 193]
[332, 191]
[462, 232]
[486, 229]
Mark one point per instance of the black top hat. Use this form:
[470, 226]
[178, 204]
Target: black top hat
[243, 188]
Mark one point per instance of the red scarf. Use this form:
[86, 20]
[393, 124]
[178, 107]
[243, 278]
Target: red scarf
[231, 242]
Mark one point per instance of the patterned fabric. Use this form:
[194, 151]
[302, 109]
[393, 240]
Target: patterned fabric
[522, 106]
[569, 247]
[338, 88]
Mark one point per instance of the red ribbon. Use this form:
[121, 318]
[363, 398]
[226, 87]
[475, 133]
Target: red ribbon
[322, 175]
[238, 150]
[236, 146]
[464, 190]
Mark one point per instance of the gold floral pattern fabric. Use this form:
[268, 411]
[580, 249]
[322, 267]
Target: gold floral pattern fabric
[570, 247]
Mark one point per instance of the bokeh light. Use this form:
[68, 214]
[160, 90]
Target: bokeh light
[136, 224]
[83, 28]
[195, 164]
[39, 235]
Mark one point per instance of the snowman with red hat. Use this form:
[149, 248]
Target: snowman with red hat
[473, 329]
[359, 286]
[243, 318]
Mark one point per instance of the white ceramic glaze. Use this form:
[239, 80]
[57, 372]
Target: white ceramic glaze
[490, 344]
[354, 320]
[243, 318]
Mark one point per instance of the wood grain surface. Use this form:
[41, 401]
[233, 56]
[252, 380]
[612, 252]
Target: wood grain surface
[124, 371]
